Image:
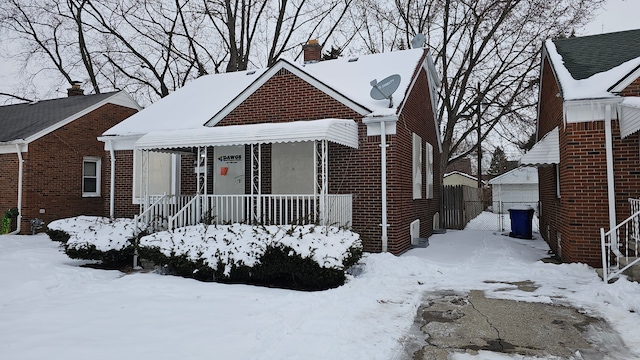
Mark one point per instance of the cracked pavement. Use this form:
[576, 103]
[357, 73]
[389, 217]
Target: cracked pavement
[451, 322]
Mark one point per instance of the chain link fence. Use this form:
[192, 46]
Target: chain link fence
[496, 217]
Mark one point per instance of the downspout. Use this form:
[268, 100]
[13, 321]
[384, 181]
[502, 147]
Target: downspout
[383, 181]
[20, 172]
[610, 178]
[113, 179]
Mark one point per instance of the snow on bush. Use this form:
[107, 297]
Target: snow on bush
[243, 245]
[103, 233]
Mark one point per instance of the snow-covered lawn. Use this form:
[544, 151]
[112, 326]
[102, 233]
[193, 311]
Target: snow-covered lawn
[50, 308]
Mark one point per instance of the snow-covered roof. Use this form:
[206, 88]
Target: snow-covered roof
[188, 107]
[521, 175]
[590, 67]
[344, 132]
[352, 76]
[203, 99]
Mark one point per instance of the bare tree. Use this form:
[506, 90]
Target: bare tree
[262, 31]
[153, 47]
[488, 53]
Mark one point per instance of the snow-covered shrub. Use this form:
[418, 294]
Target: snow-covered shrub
[58, 235]
[305, 257]
[95, 238]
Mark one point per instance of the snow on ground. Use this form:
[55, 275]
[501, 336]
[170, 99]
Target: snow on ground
[50, 308]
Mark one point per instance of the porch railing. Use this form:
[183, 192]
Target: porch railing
[164, 213]
[158, 210]
[621, 245]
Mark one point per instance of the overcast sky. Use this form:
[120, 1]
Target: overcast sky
[617, 15]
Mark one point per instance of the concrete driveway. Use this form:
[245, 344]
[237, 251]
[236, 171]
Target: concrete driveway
[450, 323]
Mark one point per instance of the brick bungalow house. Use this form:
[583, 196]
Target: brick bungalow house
[311, 143]
[50, 157]
[587, 145]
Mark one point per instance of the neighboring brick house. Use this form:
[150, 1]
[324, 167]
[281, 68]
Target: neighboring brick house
[50, 157]
[291, 143]
[587, 140]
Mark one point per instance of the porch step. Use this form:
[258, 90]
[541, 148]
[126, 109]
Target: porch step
[634, 243]
[633, 273]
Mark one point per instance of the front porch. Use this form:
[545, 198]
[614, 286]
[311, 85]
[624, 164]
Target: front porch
[230, 177]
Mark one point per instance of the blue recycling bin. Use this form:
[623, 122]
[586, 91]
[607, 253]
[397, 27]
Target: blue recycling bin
[521, 222]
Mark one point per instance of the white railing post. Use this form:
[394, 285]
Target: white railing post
[605, 255]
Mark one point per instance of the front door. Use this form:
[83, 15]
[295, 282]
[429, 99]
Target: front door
[228, 183]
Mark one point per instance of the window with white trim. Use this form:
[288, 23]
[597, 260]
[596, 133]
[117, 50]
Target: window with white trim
[155, 173]
[417, 167]
[91, 176]
[429, 172]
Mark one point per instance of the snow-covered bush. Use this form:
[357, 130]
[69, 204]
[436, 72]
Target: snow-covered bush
[95, 238]
[305, 257]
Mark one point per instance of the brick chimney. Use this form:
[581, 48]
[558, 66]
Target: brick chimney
[312, 51]
[75, 90]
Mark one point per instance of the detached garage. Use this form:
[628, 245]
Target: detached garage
[517, 187]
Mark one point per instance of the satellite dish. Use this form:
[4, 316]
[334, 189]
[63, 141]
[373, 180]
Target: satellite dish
[385, 88]
[418, 41]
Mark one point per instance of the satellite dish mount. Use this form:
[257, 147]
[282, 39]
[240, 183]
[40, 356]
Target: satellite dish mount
[385, 88]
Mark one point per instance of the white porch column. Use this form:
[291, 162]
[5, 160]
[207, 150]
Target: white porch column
[256, 182]
[321, 180]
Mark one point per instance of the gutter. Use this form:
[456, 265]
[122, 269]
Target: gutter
[382, 121]
[20, 173]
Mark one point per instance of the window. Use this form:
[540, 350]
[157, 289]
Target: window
[417, 167]
[155, 173]
[292, 168]
[91, 176]
[429, 172]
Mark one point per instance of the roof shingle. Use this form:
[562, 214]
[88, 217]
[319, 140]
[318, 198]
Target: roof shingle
[589, 55]
[20, 121]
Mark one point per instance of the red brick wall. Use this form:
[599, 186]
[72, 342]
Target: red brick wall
[53, 167]
[633, 89]
[550, 116]
[416, 118]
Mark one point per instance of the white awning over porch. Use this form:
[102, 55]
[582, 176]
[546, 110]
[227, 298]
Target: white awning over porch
[340, 131]
[544, 152]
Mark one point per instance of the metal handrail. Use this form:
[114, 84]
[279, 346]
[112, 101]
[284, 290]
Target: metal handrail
[615, 247]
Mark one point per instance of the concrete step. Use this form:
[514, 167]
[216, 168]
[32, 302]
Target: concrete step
[633, 273]
[419, 242]
[634, 244]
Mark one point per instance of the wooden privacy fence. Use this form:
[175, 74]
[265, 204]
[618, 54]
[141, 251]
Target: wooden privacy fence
[460, 204]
